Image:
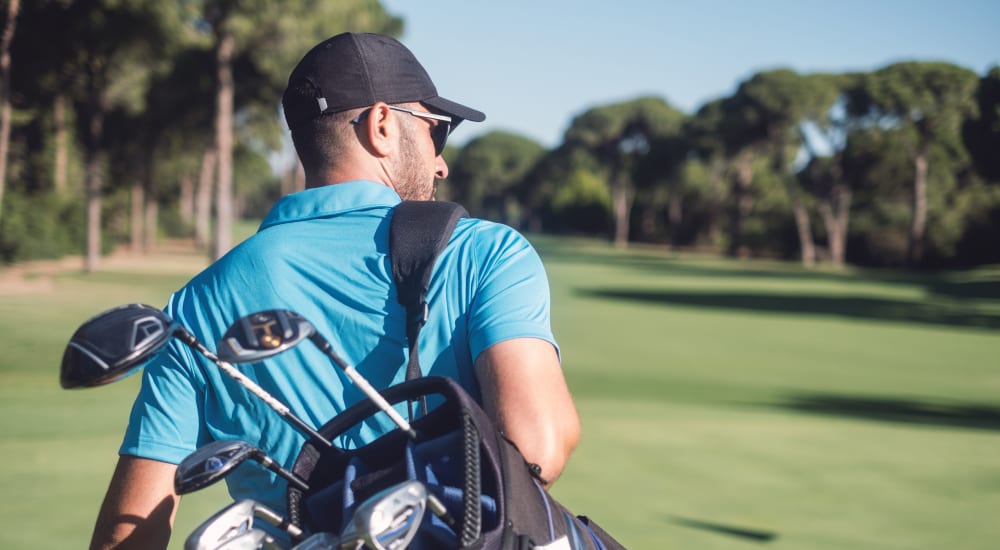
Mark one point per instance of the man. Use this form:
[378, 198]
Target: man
[369, 127]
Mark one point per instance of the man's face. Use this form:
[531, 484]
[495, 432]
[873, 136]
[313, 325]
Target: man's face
[418, 167]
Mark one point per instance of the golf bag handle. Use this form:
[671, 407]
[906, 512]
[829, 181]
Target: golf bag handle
[457, 406]
[399, 393]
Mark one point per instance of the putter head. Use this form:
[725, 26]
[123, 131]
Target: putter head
[114, 344]
[230, 528]
[263, 334]
[389, 519]
[209, 464]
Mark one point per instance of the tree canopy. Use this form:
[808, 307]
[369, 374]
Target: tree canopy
[165, 119]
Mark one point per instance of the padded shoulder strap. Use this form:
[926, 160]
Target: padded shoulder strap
[418, 233]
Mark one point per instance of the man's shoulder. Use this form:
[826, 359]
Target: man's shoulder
[487, 235]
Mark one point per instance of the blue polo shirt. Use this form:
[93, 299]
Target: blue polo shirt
[323, 253]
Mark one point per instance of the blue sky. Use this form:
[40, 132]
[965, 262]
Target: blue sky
[533, 65]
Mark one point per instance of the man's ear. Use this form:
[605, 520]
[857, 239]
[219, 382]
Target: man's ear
[380, 129]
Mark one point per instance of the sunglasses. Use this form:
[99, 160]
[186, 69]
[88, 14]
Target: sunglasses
[439, 131]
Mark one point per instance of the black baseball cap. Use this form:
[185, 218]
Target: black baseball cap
[352, 70]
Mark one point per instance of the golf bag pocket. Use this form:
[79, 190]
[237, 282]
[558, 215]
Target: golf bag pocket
[490, 498]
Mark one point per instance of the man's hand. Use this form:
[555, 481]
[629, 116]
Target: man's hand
[526, 394]
[139, 508]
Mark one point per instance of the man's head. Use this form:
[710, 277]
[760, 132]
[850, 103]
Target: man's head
[361, 105]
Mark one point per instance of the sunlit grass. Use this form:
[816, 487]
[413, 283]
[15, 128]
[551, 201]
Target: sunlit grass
[725, 404]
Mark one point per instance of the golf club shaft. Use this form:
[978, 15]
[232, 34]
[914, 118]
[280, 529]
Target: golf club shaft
[270, 464]
[252, 387]
[276, 520]
[363, 384]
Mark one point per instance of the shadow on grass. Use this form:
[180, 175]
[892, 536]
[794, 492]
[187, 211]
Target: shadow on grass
[840, 306]
[905, 411]
[951, 284]
[967, 290]
[754, 535]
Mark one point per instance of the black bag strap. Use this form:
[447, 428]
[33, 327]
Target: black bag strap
[418, 233]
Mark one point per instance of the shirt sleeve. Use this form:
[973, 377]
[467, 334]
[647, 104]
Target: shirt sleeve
[512, 296]
[165, 421]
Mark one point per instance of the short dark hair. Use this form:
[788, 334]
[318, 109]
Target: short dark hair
[321, 141]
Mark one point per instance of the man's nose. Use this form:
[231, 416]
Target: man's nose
[440, 168]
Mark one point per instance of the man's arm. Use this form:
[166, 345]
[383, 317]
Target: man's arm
[525, 392]
[138, 510]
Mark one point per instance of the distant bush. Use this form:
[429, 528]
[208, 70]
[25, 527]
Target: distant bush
[40, 226]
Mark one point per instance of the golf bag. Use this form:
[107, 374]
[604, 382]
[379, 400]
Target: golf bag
[490, 492]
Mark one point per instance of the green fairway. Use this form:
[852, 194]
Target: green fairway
[725, 404]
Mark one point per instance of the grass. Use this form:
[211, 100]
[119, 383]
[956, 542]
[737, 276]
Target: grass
[725, 404]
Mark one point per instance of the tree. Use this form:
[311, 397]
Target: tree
[764, 117]
[548, 206]
[707, 146]
[927, 102]
[485, 173]
[115, 46]
[824, 139]
[659, 184]
[618, 135]
[5, 109]
[981, 133]
[269, 36]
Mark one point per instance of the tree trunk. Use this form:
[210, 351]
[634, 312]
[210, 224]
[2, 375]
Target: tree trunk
[915, 249]
[807, 247]
[716, 210]
[150, 202]
[224, 145]
[59, 170]
[675, 214]
[835, 212]
[621, 197]
[92, 187]
[92, 159]
[5, 109]
[203, 199]
[742, 204]
[621, 204]
[151, 214]
[137, 196]
[186, 200]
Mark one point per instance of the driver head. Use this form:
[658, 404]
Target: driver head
[114, 344]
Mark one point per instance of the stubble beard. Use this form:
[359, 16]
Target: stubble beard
[414, 178]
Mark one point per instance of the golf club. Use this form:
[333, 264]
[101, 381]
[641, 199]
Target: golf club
[268, 333]
[389, 519]
[233, 528]
[215, 460]
[115, 344]
[319, 541]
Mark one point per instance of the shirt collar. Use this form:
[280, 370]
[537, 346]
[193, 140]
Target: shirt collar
[330, 200]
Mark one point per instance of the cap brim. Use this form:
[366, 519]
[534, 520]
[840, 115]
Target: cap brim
[457, 111]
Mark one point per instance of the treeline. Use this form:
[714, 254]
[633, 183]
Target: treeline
[125, 121]
[895, 167]
[122, 119]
